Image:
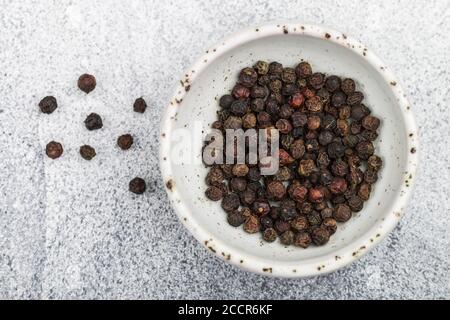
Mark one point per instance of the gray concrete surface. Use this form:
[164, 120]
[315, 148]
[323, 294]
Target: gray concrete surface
[70, 229]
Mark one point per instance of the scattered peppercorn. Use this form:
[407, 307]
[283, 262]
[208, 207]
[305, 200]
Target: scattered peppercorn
[87, 83]
[54, 149]
[93, 122]
[87, 152]
[125, 141]
[326, 153]
[137, 185]
[140, 105]
[48, 104]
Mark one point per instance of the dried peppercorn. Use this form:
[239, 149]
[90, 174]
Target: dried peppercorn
[315, 195]
[214, 176]
[286, 111]
[48, 104]
[254, 174]
[258, 92]
[54, 150]
[364, 191]
[302, 239]
[296, 100]
[252, 224]
[348, 86]
[338, 99]
[235, 218]
[226, 101]
[87, 83]
[289, 89]
[359, 112]
[338, 185]
[370, 123]
[261, 208]
[261, 67]
[275, 68]
[314, 104]
[355, 98]
[240, 92]
[93, 122]
[87, 152]
[287, 238]
[125, 141]
[231, 202]
[374, 162]
[276, 190]
[297, 192]
[306, 167]
[140, 105]
[233, 122]
[288, 75]
[266, 222]
[137, 185]
[326, 135]
[284, 126]
[355, 203]
[300, 223]
[364, 149]
[336, 150]
[248, 77]
[330, 224]
[316, 80]
[342, 212]
[320, 236]
[214, 193]
[333, 83]
[371, 176]
[270, 235]
[303, 70]
[249, 121]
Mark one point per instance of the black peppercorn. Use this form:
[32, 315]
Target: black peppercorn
[230, 202]
[235, 218]
[137, 186]
[214, 193]
[302, 239]
[320, 236]
[333, 83]
[348, 86]
[48, 105]
[54, 150]
[226, 101]
[87, 83]
[248, 77]
[270, 235]
[140, 105]
[93, 122]
[287, 238]
[87, 152]
[125, 141]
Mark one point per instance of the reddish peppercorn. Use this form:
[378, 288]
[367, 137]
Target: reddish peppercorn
[315, 195]
[296, 100]
[338, 185]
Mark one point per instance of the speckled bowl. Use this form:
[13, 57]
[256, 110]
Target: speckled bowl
[328, 51]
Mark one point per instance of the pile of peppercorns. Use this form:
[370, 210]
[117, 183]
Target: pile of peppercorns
[326, 154]
[54, 150]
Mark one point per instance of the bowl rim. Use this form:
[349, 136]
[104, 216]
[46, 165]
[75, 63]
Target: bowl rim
[315, 266]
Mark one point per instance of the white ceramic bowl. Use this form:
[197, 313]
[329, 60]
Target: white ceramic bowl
[328, 51]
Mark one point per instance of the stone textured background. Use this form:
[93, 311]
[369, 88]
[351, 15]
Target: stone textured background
[70, 229]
